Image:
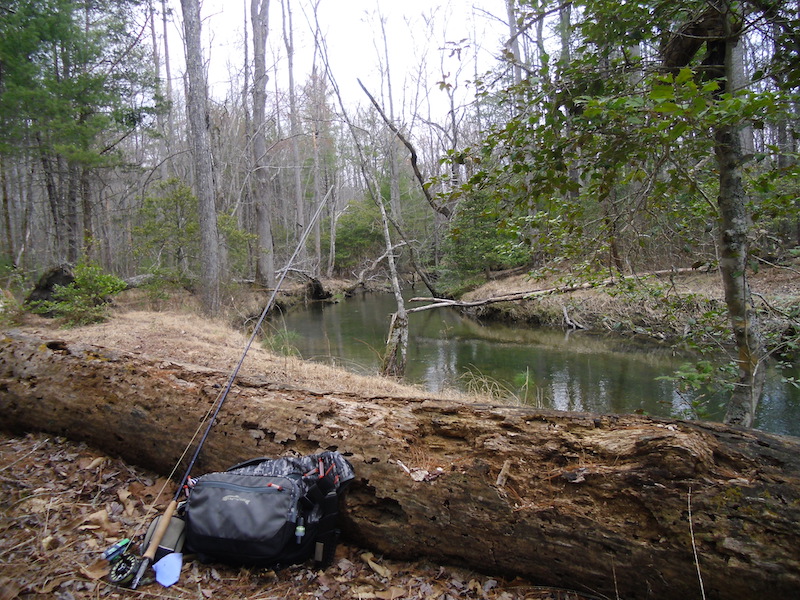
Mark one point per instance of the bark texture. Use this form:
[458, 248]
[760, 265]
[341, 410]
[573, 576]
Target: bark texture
[197, 116]
[596, 503]
[718, 28]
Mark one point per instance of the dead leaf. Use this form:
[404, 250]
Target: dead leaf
[9, 589]
[344, 564]
[52, 584]
[88, 463]
[156, 490]
[99, 520]
[49, 542]
[392, 593]
[96, 571]
[127, 501]
[37, 505]
[364, 592]
[379, 569]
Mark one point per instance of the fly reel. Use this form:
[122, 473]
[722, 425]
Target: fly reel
[123, 569]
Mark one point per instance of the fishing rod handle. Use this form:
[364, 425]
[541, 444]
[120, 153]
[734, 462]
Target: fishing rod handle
[158, 534]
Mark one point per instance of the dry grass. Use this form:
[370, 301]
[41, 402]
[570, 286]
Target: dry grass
[184, 337]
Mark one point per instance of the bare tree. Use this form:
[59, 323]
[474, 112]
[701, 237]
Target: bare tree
[295, 130]
[265, 259]
[197, 114]
[393, 157]
[513, 41]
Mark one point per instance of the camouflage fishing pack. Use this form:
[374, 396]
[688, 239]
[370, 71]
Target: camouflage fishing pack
[268, 512]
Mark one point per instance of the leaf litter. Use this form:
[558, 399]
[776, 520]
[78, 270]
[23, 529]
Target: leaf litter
[63, 503]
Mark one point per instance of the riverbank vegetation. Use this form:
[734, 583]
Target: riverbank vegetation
[584, 153]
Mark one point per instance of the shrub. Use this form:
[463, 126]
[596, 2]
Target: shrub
[83, 301]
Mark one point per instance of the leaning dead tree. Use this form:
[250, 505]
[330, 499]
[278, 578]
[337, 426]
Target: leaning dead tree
[617, 506]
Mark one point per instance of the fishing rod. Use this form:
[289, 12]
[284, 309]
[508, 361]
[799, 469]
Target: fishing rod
[127, 566]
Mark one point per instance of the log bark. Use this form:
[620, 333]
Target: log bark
[594, 503]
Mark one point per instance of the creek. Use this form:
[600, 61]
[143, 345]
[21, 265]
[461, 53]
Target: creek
[544, 367]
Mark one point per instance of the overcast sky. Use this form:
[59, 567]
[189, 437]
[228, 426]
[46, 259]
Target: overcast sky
[416, 31]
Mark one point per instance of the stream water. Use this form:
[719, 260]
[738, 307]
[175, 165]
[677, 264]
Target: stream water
[548, 368]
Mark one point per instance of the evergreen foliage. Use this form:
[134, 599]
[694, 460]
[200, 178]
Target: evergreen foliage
[75, 83]
[481, 239]
[168, 238]
[359, 236]
[168, 234]
[85, 300]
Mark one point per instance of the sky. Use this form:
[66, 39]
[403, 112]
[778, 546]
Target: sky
[416, 31]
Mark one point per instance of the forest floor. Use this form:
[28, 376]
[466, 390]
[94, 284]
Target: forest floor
[62, 503]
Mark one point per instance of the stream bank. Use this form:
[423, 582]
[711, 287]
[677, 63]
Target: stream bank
[668, 307]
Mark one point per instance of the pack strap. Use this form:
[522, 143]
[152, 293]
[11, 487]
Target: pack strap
[249, 463]
[328, 533]
[323, 491]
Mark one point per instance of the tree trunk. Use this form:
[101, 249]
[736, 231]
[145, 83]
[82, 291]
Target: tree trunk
[394, 359]
[8, 246]
[717, 28]
[295, 133]
[612, 505]
[513, 41]
[197, 116]
[265, 255]
[734, 225]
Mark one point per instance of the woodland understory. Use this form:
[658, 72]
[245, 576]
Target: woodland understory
[618, 167]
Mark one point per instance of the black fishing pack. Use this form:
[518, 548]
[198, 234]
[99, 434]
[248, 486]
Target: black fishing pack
[268, 512]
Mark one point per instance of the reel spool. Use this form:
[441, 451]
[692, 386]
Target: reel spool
[123, 569]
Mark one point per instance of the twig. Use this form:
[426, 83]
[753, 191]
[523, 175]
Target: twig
[694, 546]
[775, 266]
[35, 448]
[442, 210]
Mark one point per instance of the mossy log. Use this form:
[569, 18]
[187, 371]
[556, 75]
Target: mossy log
[617, 506]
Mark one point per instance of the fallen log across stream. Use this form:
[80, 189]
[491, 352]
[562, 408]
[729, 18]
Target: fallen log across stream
[617, 506]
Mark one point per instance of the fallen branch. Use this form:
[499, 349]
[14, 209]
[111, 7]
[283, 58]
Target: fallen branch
[369, 268]
[570, 322]
[530, 295]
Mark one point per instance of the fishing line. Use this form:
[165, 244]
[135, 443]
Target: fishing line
[141, 566]
[250, 341]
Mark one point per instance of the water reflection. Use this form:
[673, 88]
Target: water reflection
[576, 371]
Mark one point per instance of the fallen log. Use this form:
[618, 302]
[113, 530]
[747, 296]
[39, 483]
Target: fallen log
[618, 506]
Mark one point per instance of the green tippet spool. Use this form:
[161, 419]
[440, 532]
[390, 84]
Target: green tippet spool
[123, 569]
